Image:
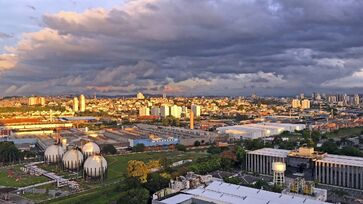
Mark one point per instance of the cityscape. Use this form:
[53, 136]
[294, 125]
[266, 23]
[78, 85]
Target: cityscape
[181, 102]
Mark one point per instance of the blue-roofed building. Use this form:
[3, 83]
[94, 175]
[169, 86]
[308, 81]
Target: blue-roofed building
[85, 118]
[154, 142]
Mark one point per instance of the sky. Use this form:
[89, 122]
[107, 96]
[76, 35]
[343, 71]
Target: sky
[180, 47]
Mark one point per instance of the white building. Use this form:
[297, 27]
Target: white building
[164, 111]
[185, 111]
[75, 104]
[196, 110]
[140, 96]
[259, 130]
[36, 101]
[175, 111]
[223, 193]
[305, 104]
[155, 111]
[295, 103]
[82, 103]
[144, 111]
[356, 100]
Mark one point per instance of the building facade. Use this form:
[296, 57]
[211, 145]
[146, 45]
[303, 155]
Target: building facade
[340, 170]
[260, 161]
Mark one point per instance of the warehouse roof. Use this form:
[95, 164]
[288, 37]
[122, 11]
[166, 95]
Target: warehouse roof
[271, 152]
[220, 192]
[343, 160]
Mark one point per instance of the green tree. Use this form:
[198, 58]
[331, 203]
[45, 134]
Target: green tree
[134, 196]
[351, 151]
[197, 143]
[139, 148]
[214, 150]
[241, 156]
[9, 152]
[181, 147]
[330, 147]
[156, 182]
[108, 149]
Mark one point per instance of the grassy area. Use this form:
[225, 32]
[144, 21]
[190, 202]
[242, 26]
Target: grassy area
[117, 169]
[346, 132]
[117, 165]
[36, 196]
[14, 177]
[96, 196]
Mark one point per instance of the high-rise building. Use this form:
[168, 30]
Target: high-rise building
[75, 104]
[144, 111]
[305, 104]
[82, 103]
[185, 111]
[196, 110]
[295, 103]
[332, 99]
[356, 100]
[164, 111]
[317, 97]
[155, 111]
[302, 96]
[175, 111]
[140, 96]
[32, 101]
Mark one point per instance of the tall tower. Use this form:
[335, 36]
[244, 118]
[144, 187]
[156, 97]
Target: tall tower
[82, 101]
[191, 118]
[75, 104]
[279, 169]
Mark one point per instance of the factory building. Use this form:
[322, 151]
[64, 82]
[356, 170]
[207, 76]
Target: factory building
[260, 161]
[340, 170]
[221, 192]
[152, 142]
[337, 170]
[259, 130]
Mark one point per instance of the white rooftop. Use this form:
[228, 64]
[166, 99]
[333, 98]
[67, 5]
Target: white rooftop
[177, 199]
[271, 152]
[221, 192]
[343, 160]
[225, 193]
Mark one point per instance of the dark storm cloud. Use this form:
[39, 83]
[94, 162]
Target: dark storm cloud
[277, 46]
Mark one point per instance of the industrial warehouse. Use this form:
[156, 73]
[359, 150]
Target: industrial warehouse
[259, 130]
[220, 192]
[337, 170]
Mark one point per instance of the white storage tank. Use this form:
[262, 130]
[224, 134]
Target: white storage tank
[95, 166]
[90, 148]
[72, 159]
[53, 154]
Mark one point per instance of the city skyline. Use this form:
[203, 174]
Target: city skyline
[181, 48]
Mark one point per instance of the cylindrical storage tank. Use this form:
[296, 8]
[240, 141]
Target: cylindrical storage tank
[53, 153]
[95, 166]
[72, 159]
[90, 148]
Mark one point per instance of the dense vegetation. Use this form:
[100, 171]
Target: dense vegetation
[9, 153]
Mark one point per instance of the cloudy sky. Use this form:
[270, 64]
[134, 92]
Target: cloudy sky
[181, 47]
